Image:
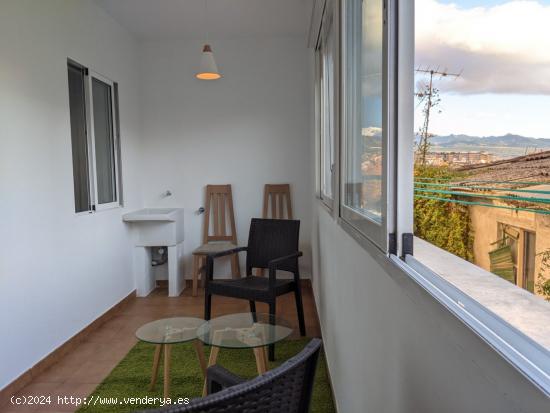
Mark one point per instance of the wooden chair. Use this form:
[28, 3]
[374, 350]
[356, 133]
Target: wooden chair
[219, 213]
[277, 195]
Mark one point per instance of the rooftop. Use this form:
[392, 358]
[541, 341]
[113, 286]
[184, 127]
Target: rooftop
[527, 169]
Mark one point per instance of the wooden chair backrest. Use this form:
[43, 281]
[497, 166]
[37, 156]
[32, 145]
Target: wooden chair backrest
[277, 196]
[219, 212]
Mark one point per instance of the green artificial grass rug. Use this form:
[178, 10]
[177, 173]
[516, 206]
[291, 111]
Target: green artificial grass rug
[132, 376]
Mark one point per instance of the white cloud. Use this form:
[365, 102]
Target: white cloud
[501, 49]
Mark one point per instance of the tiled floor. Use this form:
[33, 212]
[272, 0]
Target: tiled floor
[85, 367]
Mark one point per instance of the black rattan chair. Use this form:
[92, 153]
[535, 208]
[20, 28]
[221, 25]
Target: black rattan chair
[285, 389]
[272, 244]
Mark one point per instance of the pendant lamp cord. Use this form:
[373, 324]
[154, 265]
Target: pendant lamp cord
[206, 19]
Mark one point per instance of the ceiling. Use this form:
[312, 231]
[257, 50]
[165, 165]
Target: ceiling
[164, 19]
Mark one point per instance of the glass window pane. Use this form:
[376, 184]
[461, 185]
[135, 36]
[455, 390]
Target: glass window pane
[104, 142]
[327, 112]
[364, 144]
[529, 261]
[78, 138]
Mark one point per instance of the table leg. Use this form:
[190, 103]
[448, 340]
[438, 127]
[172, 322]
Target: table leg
[211, 361]
[167, 348]
[199, 349]
[259, 354]
[156, 362]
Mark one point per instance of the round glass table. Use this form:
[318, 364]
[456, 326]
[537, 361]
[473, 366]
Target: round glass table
[166, 332]
[243, 330]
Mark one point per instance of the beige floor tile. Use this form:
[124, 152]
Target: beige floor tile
[86, 365]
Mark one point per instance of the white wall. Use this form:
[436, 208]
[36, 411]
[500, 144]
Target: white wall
[392, 348]
[248, 129]
[58, 271]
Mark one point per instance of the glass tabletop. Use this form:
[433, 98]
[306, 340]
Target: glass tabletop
[170, 330]
[243, 330]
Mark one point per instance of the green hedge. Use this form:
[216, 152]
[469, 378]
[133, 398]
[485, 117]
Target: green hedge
[444, 224]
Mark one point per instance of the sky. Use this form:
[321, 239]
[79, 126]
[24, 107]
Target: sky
[502, 50]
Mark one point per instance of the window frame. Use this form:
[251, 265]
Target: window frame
[93, 194]
[330, 15]
[374, 232]
[527, 356]
[91, 141]
[71, 65]
[524, 354]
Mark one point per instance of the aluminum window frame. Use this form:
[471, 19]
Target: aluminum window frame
[329, 21]
[89, 76]
[95, 190]
[524, 354]
[374, 232]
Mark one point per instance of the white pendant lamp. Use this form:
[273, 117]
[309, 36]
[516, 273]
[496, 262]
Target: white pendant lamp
[208, 68]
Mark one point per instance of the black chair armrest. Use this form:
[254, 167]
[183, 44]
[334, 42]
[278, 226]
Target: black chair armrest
[212, 256]
[226, 252]
[219, 378]
[274, 263]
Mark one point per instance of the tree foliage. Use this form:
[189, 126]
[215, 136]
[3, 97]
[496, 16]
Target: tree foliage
[543, 282]
[444, 224]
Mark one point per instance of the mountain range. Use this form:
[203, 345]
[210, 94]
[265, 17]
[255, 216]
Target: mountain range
[509, 141]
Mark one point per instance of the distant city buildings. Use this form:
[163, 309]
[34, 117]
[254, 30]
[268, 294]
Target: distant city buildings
[458, 158]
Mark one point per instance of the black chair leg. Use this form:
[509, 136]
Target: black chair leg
[253, 309]
[272, 312]
[300, 309]
[207, 305]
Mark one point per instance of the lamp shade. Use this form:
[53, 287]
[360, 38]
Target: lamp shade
[208, 69]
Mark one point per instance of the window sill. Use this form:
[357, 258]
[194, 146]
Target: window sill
[512, 321]
[474, 307]
[528, 313]
[326, 204]
[103, 209]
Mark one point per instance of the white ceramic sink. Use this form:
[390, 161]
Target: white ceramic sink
[154, 214]
[156, 226]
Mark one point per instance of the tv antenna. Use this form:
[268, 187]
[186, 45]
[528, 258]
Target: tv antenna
[427, 94]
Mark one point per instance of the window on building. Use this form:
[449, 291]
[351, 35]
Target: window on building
[327, 97]
[529, 261]
[514, 256]
[94, 138]
[366, 136]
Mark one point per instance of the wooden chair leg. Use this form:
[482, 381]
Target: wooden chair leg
[202, 270]
[235, 267]
[214, 351]
[156, 362]
[199, 349]
[260, 360]
[167, 348]
[196, 269]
